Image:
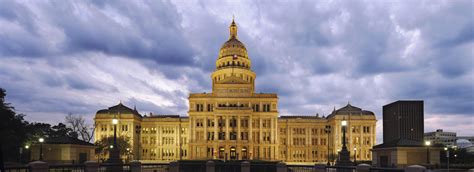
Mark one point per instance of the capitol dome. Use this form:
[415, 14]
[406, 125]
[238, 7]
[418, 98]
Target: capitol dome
[233, 47]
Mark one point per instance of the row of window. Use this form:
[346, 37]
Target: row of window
[233, 64]
[314, 131]
[255, 107]
[244, 123]
[164, 152]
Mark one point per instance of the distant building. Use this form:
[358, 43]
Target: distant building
[451, 139]
[468, 138]
[441, 137]
[403, 143]
[64, 150]
[403, 120]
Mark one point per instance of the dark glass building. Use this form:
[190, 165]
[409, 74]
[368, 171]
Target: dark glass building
[403, 120]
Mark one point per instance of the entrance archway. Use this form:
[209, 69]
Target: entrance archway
[233, 153]
[221, 152]
[244, 153]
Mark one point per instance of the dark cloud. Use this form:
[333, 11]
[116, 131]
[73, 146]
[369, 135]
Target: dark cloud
[113, 28]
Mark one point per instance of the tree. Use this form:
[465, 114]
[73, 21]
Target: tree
[78, 125]
[12, 130]
[103, 145]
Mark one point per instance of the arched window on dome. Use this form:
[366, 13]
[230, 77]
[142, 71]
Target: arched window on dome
[233, 63]
[238, 63]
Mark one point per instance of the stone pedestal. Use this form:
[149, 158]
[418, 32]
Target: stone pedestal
[363, 168]
[281, 167]
[415, 168]
[319, 168]
[92, 166]
[210, 166]
[39, 166]
[174, 166]
[135, 166]
[344, 158]
[245, 166]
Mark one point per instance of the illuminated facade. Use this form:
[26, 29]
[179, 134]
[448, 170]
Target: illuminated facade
[234, 122]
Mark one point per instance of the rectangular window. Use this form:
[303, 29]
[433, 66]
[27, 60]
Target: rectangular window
[210, 123]
[210, 135]
[233, 135]
[199, 107]
[210, 107]
[221, 135]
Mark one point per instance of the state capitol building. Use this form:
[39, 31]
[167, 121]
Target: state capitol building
[234, 122]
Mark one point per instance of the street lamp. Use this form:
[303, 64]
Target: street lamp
[328, 130]
[128, 154]
[428, 143]
[27, 152]
[355, 155]
[344, 155]
[447, 156]
[41, 140]
[114, 153]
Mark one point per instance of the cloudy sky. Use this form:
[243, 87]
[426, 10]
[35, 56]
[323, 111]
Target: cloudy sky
[59, 57]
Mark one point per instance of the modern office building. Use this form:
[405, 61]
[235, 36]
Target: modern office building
[403, 120]
[403, 143]
[233, 121]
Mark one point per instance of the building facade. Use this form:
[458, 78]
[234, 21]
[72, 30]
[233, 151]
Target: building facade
[235, 122]
[441, 137]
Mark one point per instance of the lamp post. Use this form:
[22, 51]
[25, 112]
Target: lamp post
[41, 140]
[328, 131]
[447, 156]
[27, 152]
[344, 155]
[427, 143]
[138, 131]
[114, 152]
[128, 155]
[355, 155]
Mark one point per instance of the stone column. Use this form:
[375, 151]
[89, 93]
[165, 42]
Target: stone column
[205, 129]
[238, 128]
[92, 166]
[216, 123]
[38, 166]
[210, 166]
[245, 166]
[226, 128]
[135, 166]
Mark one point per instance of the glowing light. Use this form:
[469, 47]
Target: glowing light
[427, 143]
